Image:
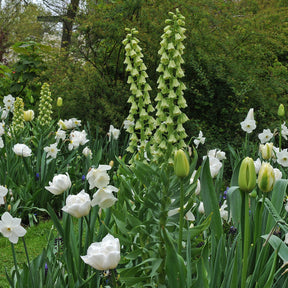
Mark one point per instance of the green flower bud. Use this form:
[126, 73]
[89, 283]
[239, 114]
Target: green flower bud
[281, 110]
[59, 101]
[253, 194]
[28, 115]
[247, 175]
[181, 164]
[266, 150]
[266, 177]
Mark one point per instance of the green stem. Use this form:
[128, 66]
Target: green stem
[246, 145]
[280, 136]
[181, 217]
[246, 236]
[28, 261]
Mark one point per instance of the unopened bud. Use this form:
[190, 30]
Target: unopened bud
[181, 164]
[266, 177]
[247, 175]
[59, 101]
[28, 115]
[266, 150]
[281, 110]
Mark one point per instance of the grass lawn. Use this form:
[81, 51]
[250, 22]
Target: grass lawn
[35, 239]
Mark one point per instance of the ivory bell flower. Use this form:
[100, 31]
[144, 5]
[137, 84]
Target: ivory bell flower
[266, 177]
[98, 177]
[59, 184]
[78, 205]
[103, 255]
[22, 150]
[104, 197]
[249, 124]
[10, 227]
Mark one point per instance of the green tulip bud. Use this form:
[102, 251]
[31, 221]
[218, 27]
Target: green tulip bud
[59, 101]
[181, 164]
[266, 177]
[247, 175]
[28, 115]
[281, 110]
[253, 194]
[266, 150]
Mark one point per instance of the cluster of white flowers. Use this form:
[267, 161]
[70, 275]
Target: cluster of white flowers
[100, 255]
[69, 124]
[199, 139]
[99, 178]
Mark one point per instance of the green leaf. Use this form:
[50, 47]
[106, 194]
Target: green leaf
[234, 201]
[278, 245]
[210, 201]
[278, 194]
[274, 216]
[174, 264]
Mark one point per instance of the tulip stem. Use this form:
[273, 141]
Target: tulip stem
[246, 238]
[27, 257]
[181, 217]
[280, 136]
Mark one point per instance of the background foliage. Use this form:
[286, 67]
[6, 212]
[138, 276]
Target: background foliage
[235, 59]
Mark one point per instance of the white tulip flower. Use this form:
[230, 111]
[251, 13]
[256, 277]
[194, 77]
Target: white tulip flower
[103, 255]
[78, 205]
[59, 184]
[104, 197]
[22, 150]
[10, 227]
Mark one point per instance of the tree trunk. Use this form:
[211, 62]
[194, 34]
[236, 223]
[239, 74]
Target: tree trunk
[68, 23]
